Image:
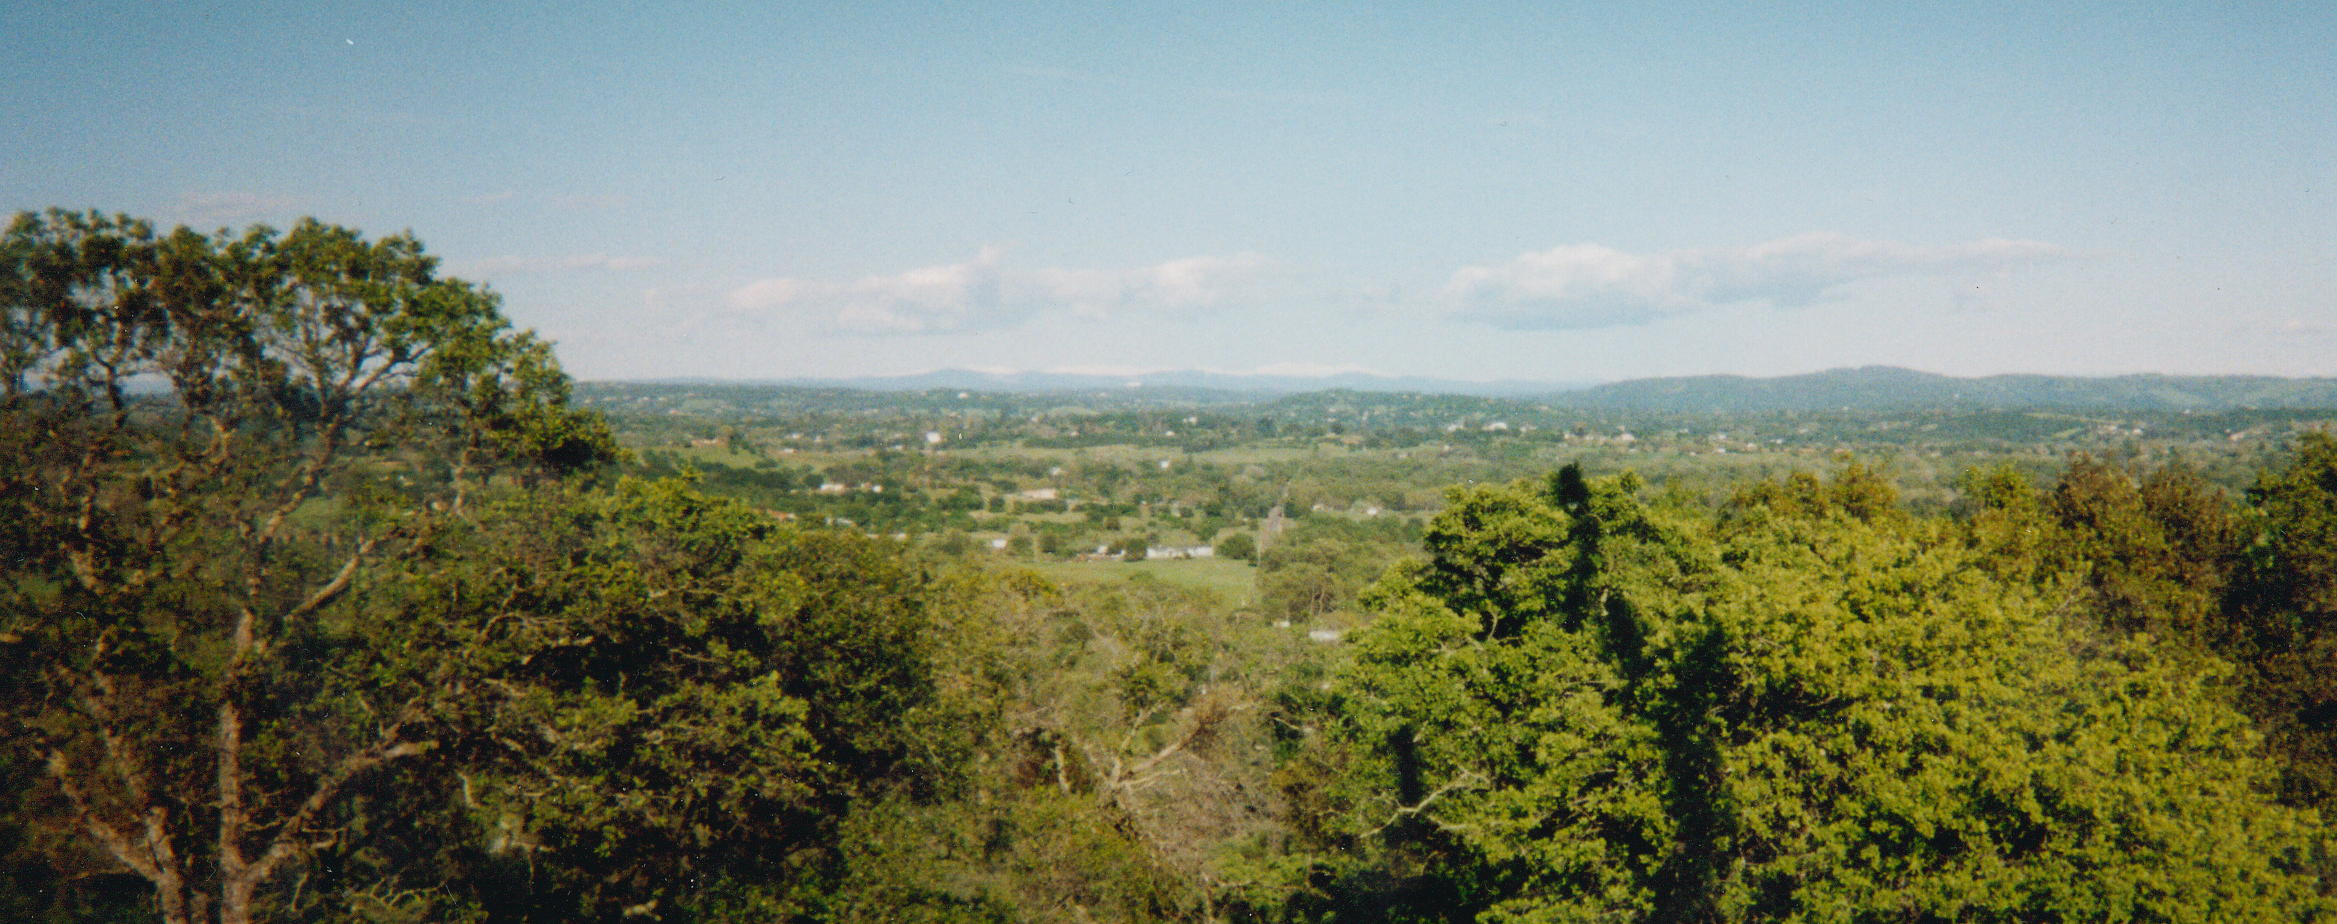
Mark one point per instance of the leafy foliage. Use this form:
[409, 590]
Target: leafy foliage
[1315, 568]
[213, 447]
[2284, 602]
[1118, 761]
[1583, 707]
[305, 621]
[674, 702]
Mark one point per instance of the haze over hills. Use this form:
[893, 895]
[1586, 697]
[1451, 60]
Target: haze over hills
[1883, 388]
[1185, 379]
[1865, 388]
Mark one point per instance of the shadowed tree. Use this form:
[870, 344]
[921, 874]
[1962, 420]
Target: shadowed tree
[2283, 608]
[215, 451]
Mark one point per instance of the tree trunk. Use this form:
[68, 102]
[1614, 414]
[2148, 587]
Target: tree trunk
[235, 900]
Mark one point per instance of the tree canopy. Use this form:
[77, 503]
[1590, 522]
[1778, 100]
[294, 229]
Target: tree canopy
[304, 563]
[1580, 706]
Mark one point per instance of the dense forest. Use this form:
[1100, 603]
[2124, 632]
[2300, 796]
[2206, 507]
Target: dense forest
[329, 597]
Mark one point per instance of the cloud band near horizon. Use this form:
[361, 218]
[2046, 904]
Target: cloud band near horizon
[1582, 286]
[986, 294]
[1569, 287]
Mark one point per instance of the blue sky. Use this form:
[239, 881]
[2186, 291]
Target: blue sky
[1535, 191]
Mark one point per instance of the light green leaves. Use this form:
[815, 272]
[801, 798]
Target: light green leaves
[1581, 707]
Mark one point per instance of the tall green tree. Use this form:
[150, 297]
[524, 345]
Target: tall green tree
[673, 707]
[1584, 707]
[216, 452]
[2283, 613]
[1316, 567]
[2155, 551]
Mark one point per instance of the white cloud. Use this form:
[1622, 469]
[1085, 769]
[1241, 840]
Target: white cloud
[982, 294]
[1592, 285]
[1190, 283]
[956, 296]
[505, 266]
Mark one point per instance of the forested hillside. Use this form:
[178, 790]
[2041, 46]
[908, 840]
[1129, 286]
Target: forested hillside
[329, 597]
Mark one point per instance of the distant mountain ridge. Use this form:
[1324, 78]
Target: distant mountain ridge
[1885, 388]
[1193, 379]
[1864, 388]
